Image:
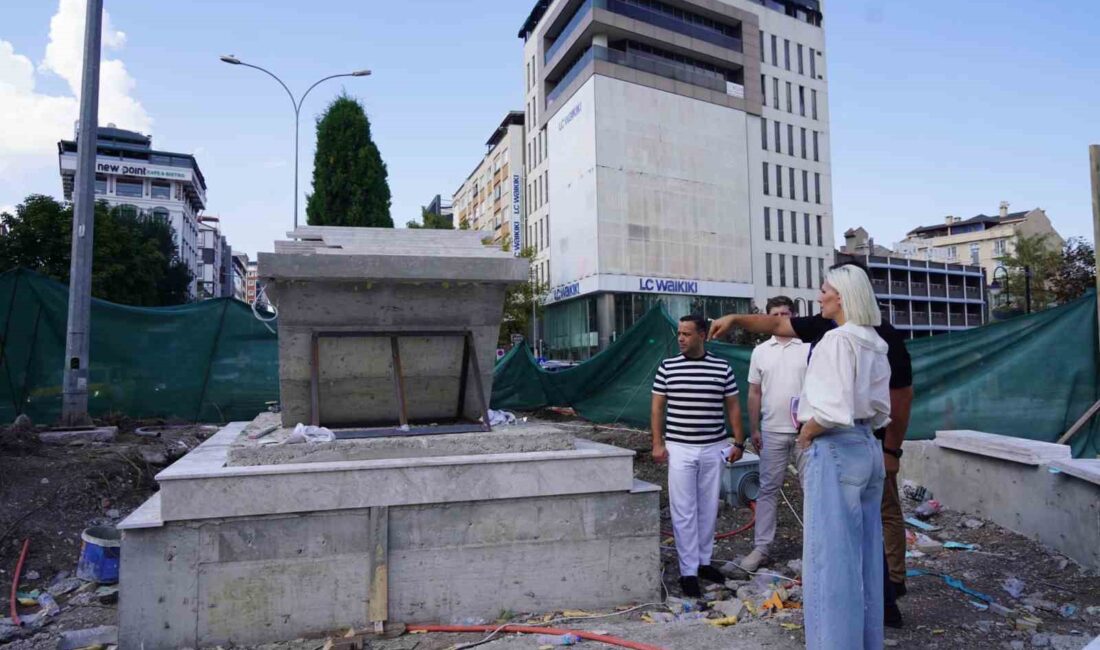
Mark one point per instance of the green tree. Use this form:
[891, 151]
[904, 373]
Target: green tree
[519, 303]
[349, 177]
[1076, 271]
[431, 220]
[134, 258]
[1034, 254]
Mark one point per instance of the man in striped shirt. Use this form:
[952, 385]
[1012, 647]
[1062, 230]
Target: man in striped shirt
[699, 392]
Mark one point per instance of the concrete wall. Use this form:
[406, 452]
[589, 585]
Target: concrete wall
[1056, 509]
[269, 578]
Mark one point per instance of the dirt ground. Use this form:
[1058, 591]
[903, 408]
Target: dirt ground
[49, 494]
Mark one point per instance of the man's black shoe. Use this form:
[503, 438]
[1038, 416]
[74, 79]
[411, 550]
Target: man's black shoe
[690, 586]
[892, 616]
[899, 589]
[710, 574]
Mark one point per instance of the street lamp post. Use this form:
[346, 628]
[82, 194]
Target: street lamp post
[997, 287]
[296, 104]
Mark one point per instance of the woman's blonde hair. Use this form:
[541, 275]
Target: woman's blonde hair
[856, 295]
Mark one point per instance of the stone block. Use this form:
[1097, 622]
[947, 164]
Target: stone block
[1017, 450]
[78, 436]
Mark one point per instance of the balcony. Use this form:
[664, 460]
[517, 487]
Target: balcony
[939, 318]
[937, 290]
[898, 287]
[563, 37]
[880, 286]
[918, 288]
[920, 318]
[644, 63]
[956, 292]
[957, 320]
[901, 317]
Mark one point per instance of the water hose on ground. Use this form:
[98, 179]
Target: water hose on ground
[752, 522]
[523, 629]
[15, 583]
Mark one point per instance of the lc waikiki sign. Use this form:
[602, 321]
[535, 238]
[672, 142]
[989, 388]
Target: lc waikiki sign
[658, 285]
[517, 227]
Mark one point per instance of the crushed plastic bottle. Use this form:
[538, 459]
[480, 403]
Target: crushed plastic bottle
[48, 604]
[558, 639]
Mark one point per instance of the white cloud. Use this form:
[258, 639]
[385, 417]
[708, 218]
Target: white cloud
[32, 122]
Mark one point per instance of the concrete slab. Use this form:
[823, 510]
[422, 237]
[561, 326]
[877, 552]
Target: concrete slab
[147, 515]
[1017, 450]
[78, 436]
[1082, 468]
[518, 438]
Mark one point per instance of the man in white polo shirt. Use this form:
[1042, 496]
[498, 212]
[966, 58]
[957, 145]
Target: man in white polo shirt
[776, 371]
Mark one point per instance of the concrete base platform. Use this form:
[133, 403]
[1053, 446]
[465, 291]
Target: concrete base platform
[268, 450]
[78, 436]
[1034, 490]
[247, 555]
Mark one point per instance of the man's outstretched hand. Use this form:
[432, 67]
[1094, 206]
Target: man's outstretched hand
[720, 327]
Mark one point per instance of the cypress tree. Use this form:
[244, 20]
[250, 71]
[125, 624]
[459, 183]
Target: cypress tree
[349, 177]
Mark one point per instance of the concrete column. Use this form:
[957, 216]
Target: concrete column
[605, 317]
[599, 39]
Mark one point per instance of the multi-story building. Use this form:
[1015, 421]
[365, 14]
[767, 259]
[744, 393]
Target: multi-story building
[215, 279]
[984, 240]
[133, 176]
[920, 292]
[491, 198]
[253, 285]
[442, 208]
[677, 152]
[240, 276]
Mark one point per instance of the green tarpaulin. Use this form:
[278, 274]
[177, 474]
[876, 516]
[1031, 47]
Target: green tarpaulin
[1029, 377]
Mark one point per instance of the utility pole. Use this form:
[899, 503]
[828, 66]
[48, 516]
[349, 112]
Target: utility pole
[74, 405]
[1094, 171]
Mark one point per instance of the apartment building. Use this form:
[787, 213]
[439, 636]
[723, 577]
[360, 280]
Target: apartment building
[677, 151]
[491, 198]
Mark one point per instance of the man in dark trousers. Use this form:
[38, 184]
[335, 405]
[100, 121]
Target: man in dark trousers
[810, 329]
[694, 396]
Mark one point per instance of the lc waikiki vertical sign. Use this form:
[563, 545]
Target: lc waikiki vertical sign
[517, 227]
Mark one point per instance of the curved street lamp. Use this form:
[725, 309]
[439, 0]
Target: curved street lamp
[296, 104]
[997, 287]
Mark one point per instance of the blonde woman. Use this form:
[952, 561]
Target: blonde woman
[846, 396]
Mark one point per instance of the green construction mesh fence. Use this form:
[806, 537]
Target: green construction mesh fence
[1030, 377]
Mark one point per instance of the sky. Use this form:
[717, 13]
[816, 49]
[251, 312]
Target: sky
[937, 108]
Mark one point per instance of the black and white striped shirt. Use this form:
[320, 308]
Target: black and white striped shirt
[696, 390]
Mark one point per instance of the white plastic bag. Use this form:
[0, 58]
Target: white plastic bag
[308, 433]
[497, 418]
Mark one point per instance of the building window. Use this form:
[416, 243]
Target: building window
[1000, 246]
[778, 140]
[787, 54]
[767, 224]
[790, 102]
[766, 190]
[817, 187]
[790, 139]
[819, 240]
[806, 228]
[821, 269]
[800, 69]
[126, 187]
[809, 273]
[775, 93]
[813, 63]
[764, 89]
[768, 268]
[762, 46]
[813, 103]
[160, 214]
[975, 254]
[802, 101]
[100, 184]
[779, 181]
[779, 223]
[806, 194]
[952, 253]
[764, 133]
[775, 51]
[794, 227]
[794, 271]
[803, 143]
[127, 210]
[794, 191]
[782, 270]
[815, 147]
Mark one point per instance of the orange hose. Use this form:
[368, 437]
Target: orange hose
[15, 583]
[752, 522]
[523, 629]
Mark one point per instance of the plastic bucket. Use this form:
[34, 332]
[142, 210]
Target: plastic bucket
[99, 554]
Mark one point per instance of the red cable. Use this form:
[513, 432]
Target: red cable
[752, 522]
[523, 629]
[15, 583]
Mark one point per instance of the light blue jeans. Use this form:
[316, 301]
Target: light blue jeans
[842, 478]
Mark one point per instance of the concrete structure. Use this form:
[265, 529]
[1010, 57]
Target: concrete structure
[491, 198]
[147, 182]
[920, 293]
[253, 285]
[676, 152]
[252, 539]
[983, 240]
[215, 277]
[1033, 488]
[240, 276]
[379, 279]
